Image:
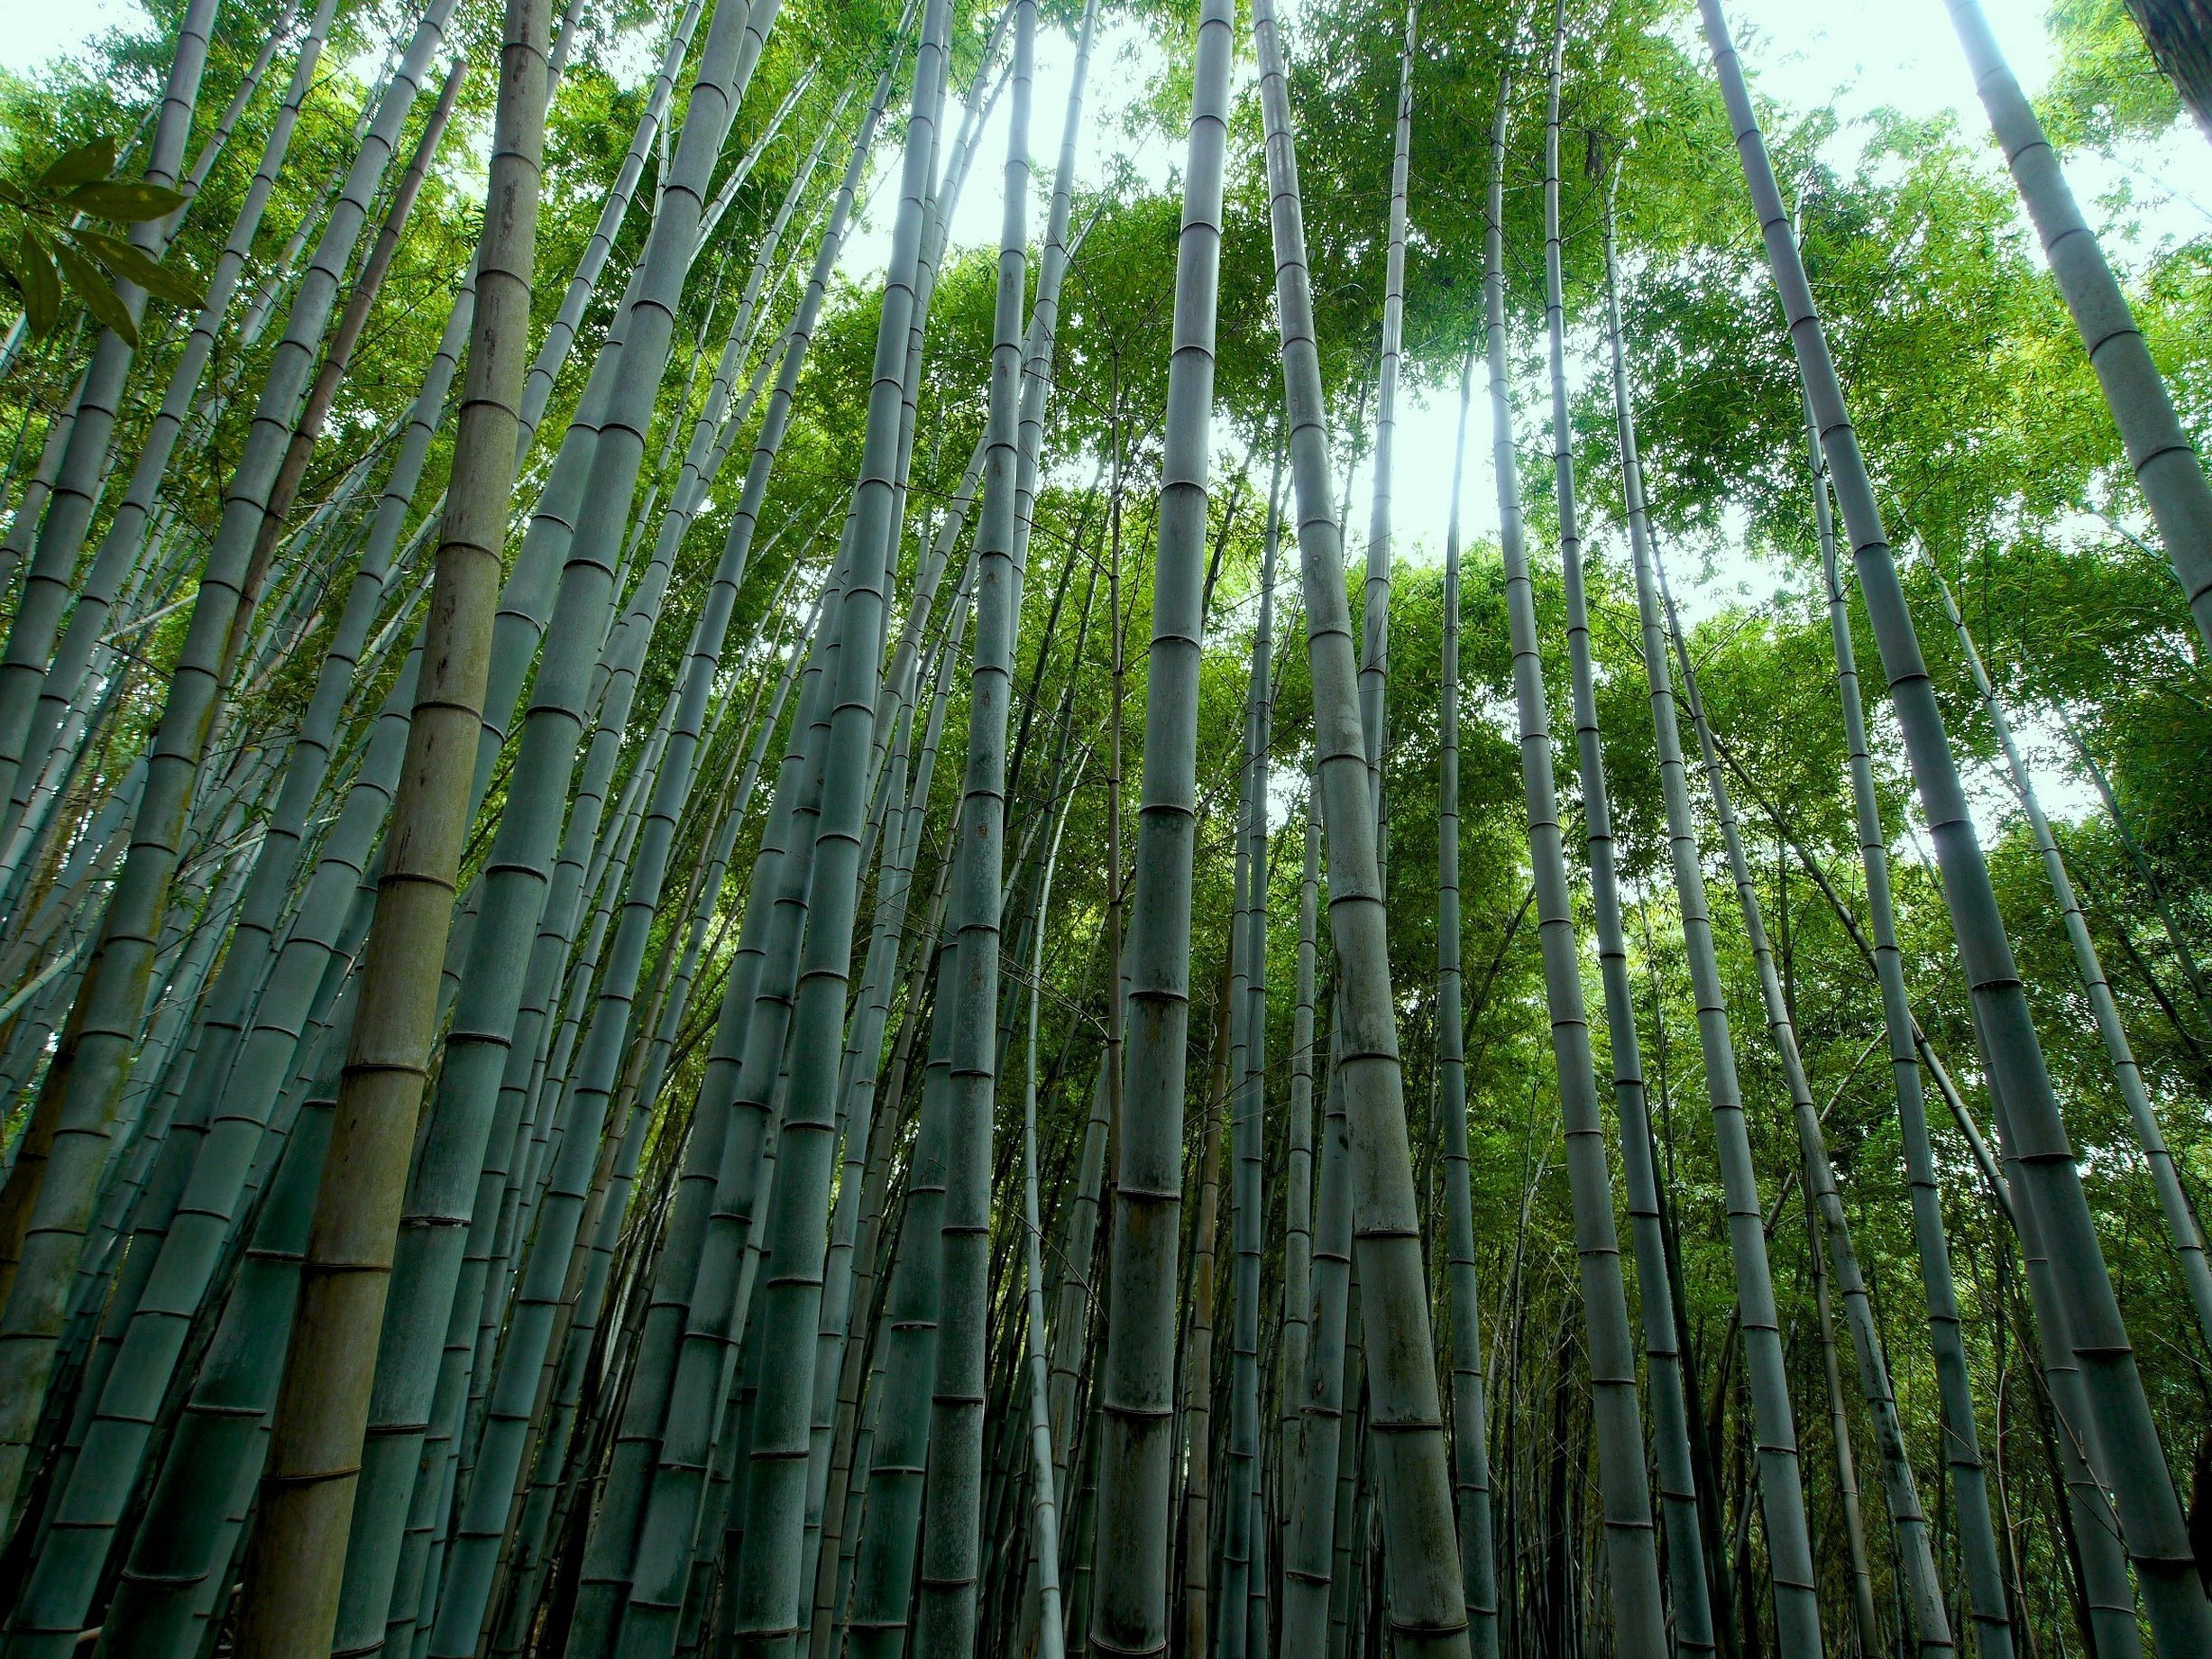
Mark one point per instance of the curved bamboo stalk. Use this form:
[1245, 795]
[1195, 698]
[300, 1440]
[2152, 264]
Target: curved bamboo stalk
[2150, 1513]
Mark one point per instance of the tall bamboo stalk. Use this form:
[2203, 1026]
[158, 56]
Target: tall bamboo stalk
[2150, 1513]
[84, 461]
[1789, 1550]
[1670, 1427]
[1427, 1610]
[1930, 1626]
[1136, 1375]
[2165, 464]
[1633, 1579]
[1988, 1604]
[86, 1081]
[296, 1553]
[2181, 1228]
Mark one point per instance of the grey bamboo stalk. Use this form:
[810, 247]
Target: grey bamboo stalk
[2150, 1513]
[1908, 1524]
[1247, 1112]
[1633, 1569]
[446, 1187]
[1864, 1618]
[48, 582]
[950, 1570]
[1428, 1605]
[89, 1074]
[1297, 1174]
[1470, 1408]
[1375, 657]
[657, 1590]
[1677, 1485]
[2165, 464]
[1136, 1377]
[1775, 1436]
[1044, 1502]
[295, 1556]
[1989, 1603]
[338, 353]
[2181, 1228]
[122, 543]
[179, 1553]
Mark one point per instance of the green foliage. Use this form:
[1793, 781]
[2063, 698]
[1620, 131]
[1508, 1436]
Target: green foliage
[46, 245]
[2104, 86]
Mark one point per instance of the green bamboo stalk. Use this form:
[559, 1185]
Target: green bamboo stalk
[191, 1199]
[84, 462]
[1633, 1557]
[1908, 1524]
[2181, 1229]
[1428, 1600]
[123, 542]
[609, 1021]
[949, 1568]
[89, 1074]
[1676, 1468]
[1249, 1043]
[1789, 1550]
[2164, 462]
[1988, 1604]
[338, 354]
[1129, 1589]
[296, 1555]
[181, 1548]
[1044, 1522]
[2150, 1513]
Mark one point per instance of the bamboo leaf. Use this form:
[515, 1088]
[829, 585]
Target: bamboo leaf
[134, 264]
[93, 160]
[41, 289]
[92, 287]
[126, 203]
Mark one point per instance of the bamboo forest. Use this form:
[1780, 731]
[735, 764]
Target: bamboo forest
[1150, 828]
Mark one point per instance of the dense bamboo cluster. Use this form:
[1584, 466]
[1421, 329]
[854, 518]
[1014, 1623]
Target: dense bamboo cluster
[701, 954]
